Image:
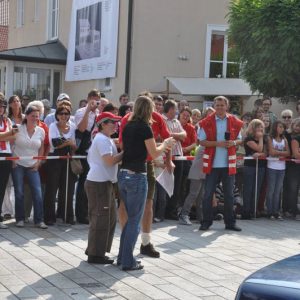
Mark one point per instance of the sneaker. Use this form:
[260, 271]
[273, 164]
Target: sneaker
[288, 214]
[184, 220]
[41, 225]
[20, 224]
[272, 218]
[297, 217]
[279, 217]
[157, 220]
[3, 226]
[149, 251]
[6, 217]
[26, 220]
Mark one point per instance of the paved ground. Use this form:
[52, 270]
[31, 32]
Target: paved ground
[50, 264]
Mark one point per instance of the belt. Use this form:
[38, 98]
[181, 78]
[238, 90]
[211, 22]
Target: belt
[132, 172]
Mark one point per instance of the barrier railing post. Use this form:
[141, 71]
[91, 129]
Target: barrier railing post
[67, 187]
[256, 182]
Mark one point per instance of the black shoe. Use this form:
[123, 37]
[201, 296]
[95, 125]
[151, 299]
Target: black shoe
[138, 266]
[149, 251]
[83, 221]
[172, 216]
[233, 228]
[6, 217]
[204, 227]
[100, 260]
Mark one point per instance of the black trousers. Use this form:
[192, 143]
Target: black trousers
[81, 205]
[5, 170]
[56, 180]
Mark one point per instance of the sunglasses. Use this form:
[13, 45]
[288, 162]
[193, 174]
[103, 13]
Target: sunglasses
[64, 114]
[286, 117]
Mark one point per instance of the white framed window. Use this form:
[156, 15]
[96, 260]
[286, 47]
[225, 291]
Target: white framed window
[53, 12]
[220, 60]
[36, 10]
[20, 13]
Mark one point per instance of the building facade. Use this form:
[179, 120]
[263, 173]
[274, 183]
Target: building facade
[178, 40]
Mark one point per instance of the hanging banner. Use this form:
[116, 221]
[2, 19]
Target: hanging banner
[92, 50]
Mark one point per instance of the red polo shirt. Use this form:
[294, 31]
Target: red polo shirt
[191, 136]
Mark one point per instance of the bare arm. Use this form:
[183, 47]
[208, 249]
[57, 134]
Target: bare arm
[111, 160]
[274, 152]
[179, 136]
[156, 151]
[295, 149]
[256, 147]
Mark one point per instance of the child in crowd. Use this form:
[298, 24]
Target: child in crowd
[278, 147]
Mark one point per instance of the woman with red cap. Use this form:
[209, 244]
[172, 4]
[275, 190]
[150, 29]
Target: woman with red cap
[103, 158]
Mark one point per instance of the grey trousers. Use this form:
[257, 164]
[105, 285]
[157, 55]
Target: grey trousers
[195, 196]
[102, 216]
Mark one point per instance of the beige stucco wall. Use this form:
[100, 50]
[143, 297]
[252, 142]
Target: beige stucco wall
[164, 30]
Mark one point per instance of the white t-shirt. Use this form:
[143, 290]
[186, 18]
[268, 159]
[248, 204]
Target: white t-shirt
[7, 144]
[277, 164]
[99, 170]
[28, 146]
[54, 133]
[79, 116]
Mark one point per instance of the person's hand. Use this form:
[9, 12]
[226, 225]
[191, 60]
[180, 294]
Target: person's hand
[222, 144]
[36, 166]
[92, 105]
[230, 144]
[170, 166]
[169, 143]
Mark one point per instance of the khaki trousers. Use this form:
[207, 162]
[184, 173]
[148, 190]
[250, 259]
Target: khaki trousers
[102, 216]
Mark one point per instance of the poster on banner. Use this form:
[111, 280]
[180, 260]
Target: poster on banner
[92, 49]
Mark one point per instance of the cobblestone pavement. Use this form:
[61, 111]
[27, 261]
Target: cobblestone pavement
[50, 264]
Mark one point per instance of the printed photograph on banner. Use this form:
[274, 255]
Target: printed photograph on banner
[93, 40]
[88, 32]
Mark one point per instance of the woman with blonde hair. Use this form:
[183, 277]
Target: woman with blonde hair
[255, 146]
[137, 140]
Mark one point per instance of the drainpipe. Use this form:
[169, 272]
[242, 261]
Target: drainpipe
[128, 51]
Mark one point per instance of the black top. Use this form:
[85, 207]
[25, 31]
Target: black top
[135, 153]
[296, 138]
[249, 152]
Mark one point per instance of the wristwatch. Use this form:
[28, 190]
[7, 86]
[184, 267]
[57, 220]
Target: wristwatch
[234, 143]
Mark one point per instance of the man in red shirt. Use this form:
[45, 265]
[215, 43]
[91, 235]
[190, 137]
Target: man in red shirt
[159, 129]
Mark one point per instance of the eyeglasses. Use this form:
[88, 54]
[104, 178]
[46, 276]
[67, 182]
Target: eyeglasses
[64, 114]
[286, 117]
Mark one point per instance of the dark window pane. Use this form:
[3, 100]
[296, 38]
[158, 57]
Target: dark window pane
[217, 47]
[56, 85]
[233, 71]
[215, 70]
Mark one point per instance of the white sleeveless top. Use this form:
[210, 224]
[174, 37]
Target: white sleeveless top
[277, 165]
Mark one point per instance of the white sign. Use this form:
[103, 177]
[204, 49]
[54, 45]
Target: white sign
[92, 50]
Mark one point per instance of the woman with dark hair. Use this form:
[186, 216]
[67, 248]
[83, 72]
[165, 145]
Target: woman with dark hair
[15, 110]
[124, 110]
[278, 147]
[138, 140]
[29, 142]
[62, 142]
[7, 134]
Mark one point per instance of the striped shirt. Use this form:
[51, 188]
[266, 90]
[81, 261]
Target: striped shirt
[174, 126]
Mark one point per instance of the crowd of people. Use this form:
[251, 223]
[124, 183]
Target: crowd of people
[127, 147]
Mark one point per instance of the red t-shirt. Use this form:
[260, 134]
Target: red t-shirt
[159, 128]
[191, 136]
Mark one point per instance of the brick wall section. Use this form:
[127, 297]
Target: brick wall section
[3, 37]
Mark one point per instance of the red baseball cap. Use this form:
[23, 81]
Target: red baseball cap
[105, 116]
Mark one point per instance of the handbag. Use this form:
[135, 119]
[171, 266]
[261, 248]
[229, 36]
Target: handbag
[76, 166]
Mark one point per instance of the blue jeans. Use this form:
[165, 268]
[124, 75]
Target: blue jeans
[275, 183]
[249, 189]
[211, 181]
[33, 177]
[133, 190]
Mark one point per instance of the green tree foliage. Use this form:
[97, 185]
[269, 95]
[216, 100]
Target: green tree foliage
[266, 34]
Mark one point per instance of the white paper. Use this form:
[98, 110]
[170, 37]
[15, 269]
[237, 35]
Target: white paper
[166, 180]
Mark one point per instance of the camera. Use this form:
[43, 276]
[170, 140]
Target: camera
[58, 141]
